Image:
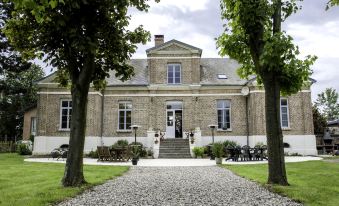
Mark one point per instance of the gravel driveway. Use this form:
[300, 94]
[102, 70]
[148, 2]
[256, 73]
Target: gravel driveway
[179, 186]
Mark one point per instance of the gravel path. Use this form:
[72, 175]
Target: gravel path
[179, 186]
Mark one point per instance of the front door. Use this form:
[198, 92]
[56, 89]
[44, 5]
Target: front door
[174, 120]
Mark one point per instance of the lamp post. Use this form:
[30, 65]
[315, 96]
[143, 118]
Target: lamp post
[135, 128]
[212, 127]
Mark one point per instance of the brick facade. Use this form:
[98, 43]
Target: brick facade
[149, 100]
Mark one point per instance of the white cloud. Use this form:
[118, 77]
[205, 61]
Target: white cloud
[320, 40]
[184, 5]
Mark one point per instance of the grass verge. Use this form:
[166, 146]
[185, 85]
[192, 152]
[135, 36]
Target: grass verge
[34, 184]
[312, 183]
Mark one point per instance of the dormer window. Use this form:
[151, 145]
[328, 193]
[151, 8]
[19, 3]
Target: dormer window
[222, 76]
[174, 74]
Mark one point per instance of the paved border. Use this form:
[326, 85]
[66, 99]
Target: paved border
[171, 162]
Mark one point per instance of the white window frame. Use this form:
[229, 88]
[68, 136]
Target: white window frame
[288, 113]
[223, 113]
[33, 126]
[173, 66]
[125, 115]
[68, 115]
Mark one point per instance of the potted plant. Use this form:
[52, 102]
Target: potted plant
[135, 155]
[218, 151]
[192, 140]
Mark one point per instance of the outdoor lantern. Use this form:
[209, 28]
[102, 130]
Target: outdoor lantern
[135, 127]
[212, 127]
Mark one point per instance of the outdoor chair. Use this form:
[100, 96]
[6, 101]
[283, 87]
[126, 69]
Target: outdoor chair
[256, 153]
[245, 153]
[104, 153]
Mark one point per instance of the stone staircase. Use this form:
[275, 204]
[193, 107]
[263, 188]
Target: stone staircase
[174, 149]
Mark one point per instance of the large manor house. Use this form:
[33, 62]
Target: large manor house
[174, 91]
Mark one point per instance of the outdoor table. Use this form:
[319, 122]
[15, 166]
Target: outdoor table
[118, 153]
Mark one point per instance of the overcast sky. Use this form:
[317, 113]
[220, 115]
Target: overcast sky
[198, 22]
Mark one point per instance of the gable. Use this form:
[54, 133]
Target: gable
[174, 47]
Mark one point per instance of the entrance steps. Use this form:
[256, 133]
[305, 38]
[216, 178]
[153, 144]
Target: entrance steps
[174, 149]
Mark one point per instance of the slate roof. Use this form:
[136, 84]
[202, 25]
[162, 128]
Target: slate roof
[210, 68]
[139, 79]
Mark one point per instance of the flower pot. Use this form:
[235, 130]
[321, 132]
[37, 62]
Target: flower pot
[134, 161]
[218, 160]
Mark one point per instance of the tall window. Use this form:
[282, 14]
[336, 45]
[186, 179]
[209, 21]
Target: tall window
[33, 126]
[224, 114]
[284, 113]
[65, 114]
[125, 115]
[174, 74]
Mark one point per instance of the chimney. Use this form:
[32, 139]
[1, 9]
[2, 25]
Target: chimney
[158, 40]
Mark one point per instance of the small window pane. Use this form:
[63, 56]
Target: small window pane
[284, 102]
[64, 103]
[122, 105]
[128, 106]
[177, 80]
[220, 104]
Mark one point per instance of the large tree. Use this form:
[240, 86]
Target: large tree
[17, 90]
[328, 103]
[84, 39]
[253, 37]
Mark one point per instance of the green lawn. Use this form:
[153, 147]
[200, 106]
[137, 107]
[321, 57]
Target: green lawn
[24, 183]
[312, 183]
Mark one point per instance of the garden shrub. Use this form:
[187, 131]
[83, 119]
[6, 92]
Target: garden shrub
[218, 149]
[198, 151]
[93, 154]
[23, 149]
[121, 143]
[230, 143]
[142, 150]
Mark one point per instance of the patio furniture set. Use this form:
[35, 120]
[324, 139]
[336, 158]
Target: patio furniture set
[122, 154]
[246, 153]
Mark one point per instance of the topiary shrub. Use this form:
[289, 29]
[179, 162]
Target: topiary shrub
[23, 149]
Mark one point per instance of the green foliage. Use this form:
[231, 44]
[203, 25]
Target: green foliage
[328, 104]
[229, 143]
[313, 183]
[17, 88]
[39, 183]
[23, 149]
[141, 149]
[253, 38]
[332, 3]
[198, 151]
[319, 120]
[68, 32]
[121, 143]
[93, 154]
[259, 144]
[218, 149]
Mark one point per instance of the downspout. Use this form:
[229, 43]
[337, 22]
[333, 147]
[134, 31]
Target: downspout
[247, 126]
[102, 117]
[247, 118]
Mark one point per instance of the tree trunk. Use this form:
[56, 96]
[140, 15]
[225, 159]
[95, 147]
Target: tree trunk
[73, 175]
[276, 159]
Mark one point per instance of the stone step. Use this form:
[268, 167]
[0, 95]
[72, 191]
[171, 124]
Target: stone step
[174, 149]
[176, 156]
